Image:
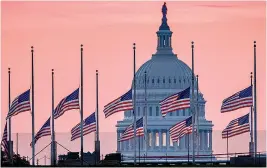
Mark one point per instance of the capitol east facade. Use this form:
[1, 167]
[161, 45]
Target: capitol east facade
[166, 75]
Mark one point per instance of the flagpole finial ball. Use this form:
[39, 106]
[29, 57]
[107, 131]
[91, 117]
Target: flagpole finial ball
[192, 42]
[32, 48]
[197, 76]
[97, 71]
[134, 46]
[81, 45]
[8, 69]
[52, 70]
[254, 43]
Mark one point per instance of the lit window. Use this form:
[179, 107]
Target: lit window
[150, 139]
[164, 139]
[171, 143]
[157, 139]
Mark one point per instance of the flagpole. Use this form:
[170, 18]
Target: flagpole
[188, 148]
[193, 106]
[53, 126]
[255, 103]
[146, 138]
[97, 142]
[81, 105]
[17, 146]
[9, 120]
[227, 144]
[197, 114]
[33, 144]
[251, 121]
[134, 108]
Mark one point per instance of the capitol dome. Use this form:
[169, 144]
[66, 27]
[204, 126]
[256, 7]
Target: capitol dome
[164, 71]
[166, 75]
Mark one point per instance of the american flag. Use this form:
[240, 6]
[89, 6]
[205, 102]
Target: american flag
[238, 100]
[44, 131]
[68, 103]
[4, 142]
[122, 103]
[237, 126]
[177, 101]
[89, 125]
[20, 104]
[129, 131]
[181, 128]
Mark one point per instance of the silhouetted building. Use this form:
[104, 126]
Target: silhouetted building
[73, 159]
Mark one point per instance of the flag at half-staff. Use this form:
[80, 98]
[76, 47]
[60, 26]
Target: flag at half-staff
[177, 101]
[44, 131]
[4, 143]
[237, 126]
[238, 100]
[70, 102]
[20, 104]
[89, 125]
[123, 103]
[181, 128]
[129, 131]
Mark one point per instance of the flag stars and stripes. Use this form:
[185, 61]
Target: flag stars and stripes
[177, 101]
[237, 126]
[70, 102]
[122, 103]
[89, 125]
[4, 142]
[238, 100]
[181, 128]
[129, 131]
[44, 131]
[20, 104]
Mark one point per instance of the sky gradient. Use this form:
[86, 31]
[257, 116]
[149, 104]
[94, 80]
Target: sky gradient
[223, 33]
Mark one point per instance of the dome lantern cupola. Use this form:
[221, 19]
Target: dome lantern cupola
[164, 34]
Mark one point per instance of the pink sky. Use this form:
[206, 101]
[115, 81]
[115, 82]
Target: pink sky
[223, 33]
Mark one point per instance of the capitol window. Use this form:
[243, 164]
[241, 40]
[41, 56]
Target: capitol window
[174, 80]
[171, 143]
[177, 113]
[158, 80]
[183, 112]
[164, 139]
[157, 111]
[170, 81]
[150, 111]
[157, 139]
[138, 112]
[163, 80]
[144, 111]
[149, 139]
[152, 80]
[170, 113]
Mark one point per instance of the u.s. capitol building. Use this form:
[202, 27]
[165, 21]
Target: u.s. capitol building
[166, 75]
